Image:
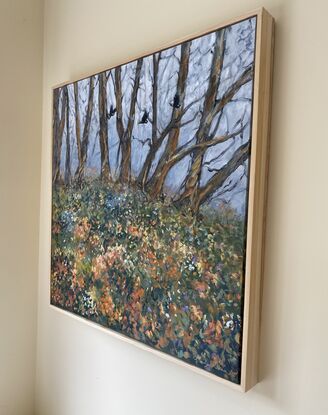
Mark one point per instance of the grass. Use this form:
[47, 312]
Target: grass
[152, 272]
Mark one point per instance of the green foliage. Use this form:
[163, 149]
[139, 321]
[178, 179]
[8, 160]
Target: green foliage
[152, 272]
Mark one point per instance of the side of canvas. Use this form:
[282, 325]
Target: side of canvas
[151, 165]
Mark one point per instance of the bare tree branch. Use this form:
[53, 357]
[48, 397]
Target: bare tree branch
[160, 173]
[217, 180]
[180, 154]
[172, 128]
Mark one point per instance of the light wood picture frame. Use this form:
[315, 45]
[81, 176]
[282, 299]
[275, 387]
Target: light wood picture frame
[121, 260]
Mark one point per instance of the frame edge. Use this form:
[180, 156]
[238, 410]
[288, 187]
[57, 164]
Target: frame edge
[257, 199]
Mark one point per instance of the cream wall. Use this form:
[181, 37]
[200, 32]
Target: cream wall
[82, 370]
[20, 150]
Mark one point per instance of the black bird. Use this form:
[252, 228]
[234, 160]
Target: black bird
[112, 112]
[176, 101]
[144, 119]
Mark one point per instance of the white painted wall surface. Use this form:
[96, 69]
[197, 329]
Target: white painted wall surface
[21, 27]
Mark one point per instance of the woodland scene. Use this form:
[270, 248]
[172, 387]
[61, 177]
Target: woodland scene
[149, 197]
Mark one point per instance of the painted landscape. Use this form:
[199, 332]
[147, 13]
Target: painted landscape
[149, 202]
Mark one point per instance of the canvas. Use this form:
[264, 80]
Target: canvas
[150, 174]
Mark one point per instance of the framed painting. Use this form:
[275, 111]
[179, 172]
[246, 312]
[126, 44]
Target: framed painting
[158, 198]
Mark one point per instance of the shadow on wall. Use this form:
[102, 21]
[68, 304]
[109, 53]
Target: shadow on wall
[274, 359]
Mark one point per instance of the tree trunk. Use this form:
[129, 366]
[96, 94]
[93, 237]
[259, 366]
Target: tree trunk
[77, 125]
[155, 95]
[103, 133]
[143, 175]
[125, 173]
[202, 133]
[68, 172]
[86, 133]
[55, 127]
[125, 134]
[58, 130]
[119, 107]
[156, 183]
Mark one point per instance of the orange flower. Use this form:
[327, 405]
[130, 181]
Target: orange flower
[149, 334]
[56, 228]
[134, 231]
[200, 286]
[212, 334]
[77, 280]
[112, 255]
[137, 295]
[80, 254]
[117, 316]
[169, 259]
[173, 308]
[103, 262]
[61, 268]
[151, 256]
[82, 229]
[173, 272]
[196, 313]
[106, 305]
[99, 265]
[209, 276]
[163, 342]
[80, 281]
[94, 240]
